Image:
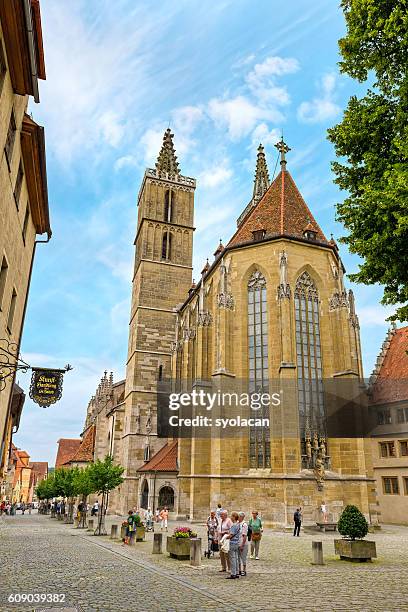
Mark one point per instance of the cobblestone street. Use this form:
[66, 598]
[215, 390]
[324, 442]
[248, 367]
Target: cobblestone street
[40, 555]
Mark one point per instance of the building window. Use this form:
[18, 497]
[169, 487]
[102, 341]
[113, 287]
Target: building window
[402, 415]
[384, 417]
[3, 66]
[19, 182]
[403, 448]
[11, 136]
[405, 485]
[146, 453]
[258, 234]
[11, 311]
[166, 245]
[3, 279]
[169, 202]
[259, 437]
[25, 224]
[387, 449]
[390, 485]
[309, 359]
[160, 373]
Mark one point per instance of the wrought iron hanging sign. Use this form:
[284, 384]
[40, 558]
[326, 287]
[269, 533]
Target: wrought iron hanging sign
[46, 385]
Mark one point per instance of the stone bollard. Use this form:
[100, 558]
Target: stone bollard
[317, 550]
[157, 543]
[114, 532]
[90, 525]
[195, 552]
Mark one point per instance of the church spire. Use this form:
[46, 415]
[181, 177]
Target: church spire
[167, 163]
[261, 181]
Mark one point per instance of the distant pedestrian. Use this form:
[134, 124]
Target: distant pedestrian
[234, 537]
[149, 519]
[323, 510]
[164, 515]
[29, 508]
[2, 507]
[255, 527]
[23, 508]
[224, 525]
[243, 543]
[218, 511]
[95, 508]
[297, 518]
[130, 526]
[157, 515]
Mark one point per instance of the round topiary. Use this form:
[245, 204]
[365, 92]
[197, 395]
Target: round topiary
[352, 523]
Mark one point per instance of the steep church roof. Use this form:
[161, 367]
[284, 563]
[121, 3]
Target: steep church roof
[389, 381]
[163, 461]
[281, 210]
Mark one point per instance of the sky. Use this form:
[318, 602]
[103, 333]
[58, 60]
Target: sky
[224, 76]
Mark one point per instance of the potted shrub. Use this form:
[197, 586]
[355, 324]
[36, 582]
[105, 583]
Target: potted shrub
[353, 527]
[178, 545]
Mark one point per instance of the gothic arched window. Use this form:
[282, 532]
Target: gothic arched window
[309, 358]
[166, 245]
[259, 438]
[169, 202]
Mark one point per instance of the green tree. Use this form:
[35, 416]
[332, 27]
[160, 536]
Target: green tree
[64, 487]
[45, 490]
[372, 139]
[104, 476]
[352, 523]
[83, 486]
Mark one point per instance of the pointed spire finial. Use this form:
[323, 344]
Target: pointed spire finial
[261, 181]
[167, 163]
[283, 149]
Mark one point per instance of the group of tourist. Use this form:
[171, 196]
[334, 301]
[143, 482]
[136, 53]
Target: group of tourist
[232, 536]
[6, 507]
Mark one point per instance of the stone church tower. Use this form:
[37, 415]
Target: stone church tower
[272, 309]
[161, 280]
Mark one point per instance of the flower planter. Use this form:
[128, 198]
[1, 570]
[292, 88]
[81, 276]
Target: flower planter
[355, 550]
[123, 532]
[178, 548]
[140, 533]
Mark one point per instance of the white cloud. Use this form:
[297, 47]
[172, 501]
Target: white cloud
[114, 260]
[262, 134]
[216, 175]
[262, 82]
[94, 76]
[124, 162]
[239, 115]
[322, 107]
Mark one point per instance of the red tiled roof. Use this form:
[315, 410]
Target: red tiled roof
[40, 468]
[281, 210]
[163, 461]
[86, 448]
[67, 447]
[391, 384]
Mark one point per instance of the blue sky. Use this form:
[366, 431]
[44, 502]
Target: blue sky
[224, 76]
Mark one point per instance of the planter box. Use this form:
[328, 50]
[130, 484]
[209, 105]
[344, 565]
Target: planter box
[123, 532]
[140, 533]
[355, 550]
[178, 548]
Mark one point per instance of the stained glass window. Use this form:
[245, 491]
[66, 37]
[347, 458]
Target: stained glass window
[259, 437]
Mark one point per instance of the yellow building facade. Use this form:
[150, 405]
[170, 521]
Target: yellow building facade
[23, 188]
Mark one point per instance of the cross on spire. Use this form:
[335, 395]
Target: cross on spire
[283, 149]
[167, 163]
[261, 181]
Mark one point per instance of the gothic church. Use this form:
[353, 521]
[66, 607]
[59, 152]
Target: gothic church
[271, 305]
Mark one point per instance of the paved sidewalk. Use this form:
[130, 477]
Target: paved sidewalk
[96, 573]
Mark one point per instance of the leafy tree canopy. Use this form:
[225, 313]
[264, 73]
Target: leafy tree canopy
[104, 475]
[82, 482]
[372, 141]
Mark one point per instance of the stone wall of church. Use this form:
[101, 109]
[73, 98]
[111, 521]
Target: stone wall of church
[213, 471]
